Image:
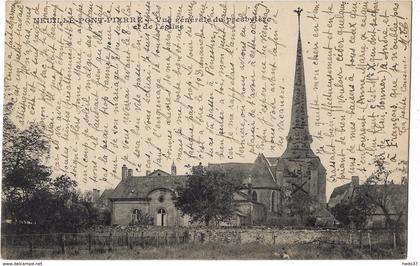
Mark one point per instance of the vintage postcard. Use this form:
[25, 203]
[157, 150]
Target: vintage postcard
[205, 130]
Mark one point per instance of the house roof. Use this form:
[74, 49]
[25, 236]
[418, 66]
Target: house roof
[338, 191]
[158, 172]
[397, 195]
[140, 186]
[106, 194]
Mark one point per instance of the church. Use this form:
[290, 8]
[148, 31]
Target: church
[298, 168]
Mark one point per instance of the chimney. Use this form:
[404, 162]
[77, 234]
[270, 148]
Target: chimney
[249, 185]
[95, 195]
[147, 172]
[355, 180]
[130, 173]
[124, 172]
[173, 169]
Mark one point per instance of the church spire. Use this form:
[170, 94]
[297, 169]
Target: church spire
[299, 139]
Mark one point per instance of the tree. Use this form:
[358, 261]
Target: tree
[29, 194]
[354, 212]
[380, 192]
[23, 171]
[208, 196]
[301, 205]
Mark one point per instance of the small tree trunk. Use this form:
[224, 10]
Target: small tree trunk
[90, 242]
[31, 246]
[395, 241]
[127, 240]
[63, 243]
[110, 247]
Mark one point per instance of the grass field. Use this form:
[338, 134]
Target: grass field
[211, 251]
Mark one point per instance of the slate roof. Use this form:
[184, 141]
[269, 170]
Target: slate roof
[260, 171]
[272, 160]
[397, 195]
[158, 172]
[340, 190]
[136, 187]
[231, 167]
[105, 195]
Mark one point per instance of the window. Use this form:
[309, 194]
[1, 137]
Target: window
[161, 217]
[254, 196]
[135, 216]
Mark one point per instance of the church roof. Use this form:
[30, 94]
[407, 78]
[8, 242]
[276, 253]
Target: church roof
[138, 187]
[260, 171]
[272, 160]
[236, 168]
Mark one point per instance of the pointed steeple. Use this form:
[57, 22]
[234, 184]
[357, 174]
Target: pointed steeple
[299, 139]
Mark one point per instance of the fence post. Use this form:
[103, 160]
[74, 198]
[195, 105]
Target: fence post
[130, 241]
[274, 242]
[142, 239]
[176, 237]
[360, 239]
[90, 242]
[166, 238]
[31, 246]
[370, 243]
[195, 232]
[127, 242]
[395, 241]
[63, 243]
[110, 242]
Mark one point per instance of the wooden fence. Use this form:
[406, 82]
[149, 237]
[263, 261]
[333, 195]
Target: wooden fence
[89, 242]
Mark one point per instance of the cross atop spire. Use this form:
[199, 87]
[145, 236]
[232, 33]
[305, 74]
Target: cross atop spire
[298, 11]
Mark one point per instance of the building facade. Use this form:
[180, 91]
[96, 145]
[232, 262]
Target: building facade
[147, 197]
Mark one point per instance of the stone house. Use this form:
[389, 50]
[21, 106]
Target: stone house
[396, 205]
[150, 195]
[153, 195]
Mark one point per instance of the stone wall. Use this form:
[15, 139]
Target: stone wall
[269, 236]
[295, 236]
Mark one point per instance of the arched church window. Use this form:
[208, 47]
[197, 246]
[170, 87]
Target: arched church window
[254, 196]
[272, 201]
